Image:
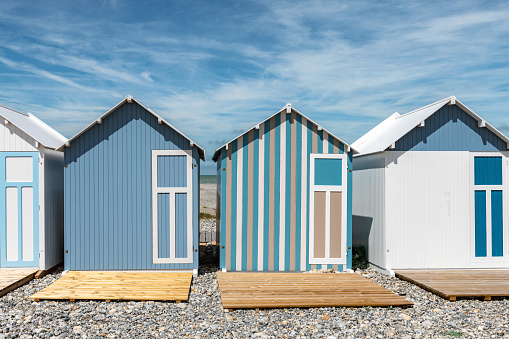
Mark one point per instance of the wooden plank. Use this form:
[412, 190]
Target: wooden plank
[283, 290]
[12, 279]
[41, 273]
[453, 284]
[115, 285]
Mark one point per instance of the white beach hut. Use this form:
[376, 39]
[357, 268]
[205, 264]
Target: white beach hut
[31, 199]
[430, 191]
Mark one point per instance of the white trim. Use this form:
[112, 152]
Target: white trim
[488, 188]
[282, 195]
[42, 212]
[240, 158]
[328, 189]
[172, 191]
[261, 177]
[304, 197]
[195, 272]
[481, 123]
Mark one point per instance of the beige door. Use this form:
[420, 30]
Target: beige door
[327, 210]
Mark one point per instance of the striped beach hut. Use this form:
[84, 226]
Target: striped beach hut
[284, 192]
[31, 202]
[131, 193]
[430, 191]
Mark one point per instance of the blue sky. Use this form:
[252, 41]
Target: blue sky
[216, 68]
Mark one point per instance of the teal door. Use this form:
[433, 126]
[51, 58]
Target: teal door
[19, 209]
[489, 216]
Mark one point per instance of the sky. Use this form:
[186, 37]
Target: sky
[214, 69]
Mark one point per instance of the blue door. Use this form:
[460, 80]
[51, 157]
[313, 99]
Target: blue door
[19, 209]
[488, 197]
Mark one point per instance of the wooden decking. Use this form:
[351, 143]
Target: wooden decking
[452, 284]
[12, 279]
[280, 290]
[114, 285]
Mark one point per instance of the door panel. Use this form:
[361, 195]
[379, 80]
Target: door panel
[327, 218]
[19, 209]
[320, 224]
[335, 224]
[172, 207]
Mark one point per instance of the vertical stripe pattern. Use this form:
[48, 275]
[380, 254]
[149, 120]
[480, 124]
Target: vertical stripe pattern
[265, 225]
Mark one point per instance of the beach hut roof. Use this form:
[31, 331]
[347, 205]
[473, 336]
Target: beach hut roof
[396, 126]
[130, 99]
[288, 108]
[32, 126]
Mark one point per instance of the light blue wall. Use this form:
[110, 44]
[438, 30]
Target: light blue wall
[450, 129]
[108, 187]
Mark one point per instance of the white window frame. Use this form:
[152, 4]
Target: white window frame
[488, 188]
[328, 188]
[172, 191]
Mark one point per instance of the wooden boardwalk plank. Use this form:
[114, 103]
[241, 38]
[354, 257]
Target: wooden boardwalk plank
[115, 285]
[281, 290]
[452, 284]
[12, 279]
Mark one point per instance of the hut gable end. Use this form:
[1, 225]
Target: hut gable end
[129, 127]
[450, 129]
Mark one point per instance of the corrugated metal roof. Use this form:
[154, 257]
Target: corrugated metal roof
[130, 99]
[396, 126]
[34, 127]
[217, 152]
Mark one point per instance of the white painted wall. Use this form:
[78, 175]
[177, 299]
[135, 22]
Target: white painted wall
[14, 139]
[429, 211]
[368, 206]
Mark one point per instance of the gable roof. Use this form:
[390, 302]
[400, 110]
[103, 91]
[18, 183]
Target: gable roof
[129, 99]
[287, 107]
[396, 126]
[32, 126]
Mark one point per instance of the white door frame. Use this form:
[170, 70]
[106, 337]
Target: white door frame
[172, 191]
[488, 188]
[328, 188]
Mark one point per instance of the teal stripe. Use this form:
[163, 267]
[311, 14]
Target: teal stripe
[223, 210]
[266, 202]
[245, 191]
[256, 157]
[234, 208]
[330, 141]
[309, 151]
[288, 188]
[298, 193]
[320, 151]
[276, 190]
[349, 212]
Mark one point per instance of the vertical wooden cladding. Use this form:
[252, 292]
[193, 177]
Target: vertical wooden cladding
[108, 200]
[265, 221]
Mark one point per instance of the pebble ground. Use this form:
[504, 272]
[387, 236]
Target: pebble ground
[204, 317]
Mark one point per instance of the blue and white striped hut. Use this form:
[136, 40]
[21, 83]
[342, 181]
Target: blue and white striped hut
[131, 194]
[284, 196]
[430, 190]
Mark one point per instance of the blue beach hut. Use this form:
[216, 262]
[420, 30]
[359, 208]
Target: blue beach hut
[284, 196]
[131, 194]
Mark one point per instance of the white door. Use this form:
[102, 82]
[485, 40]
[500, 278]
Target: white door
[328, 209]
[19, 209]
[172, 213]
